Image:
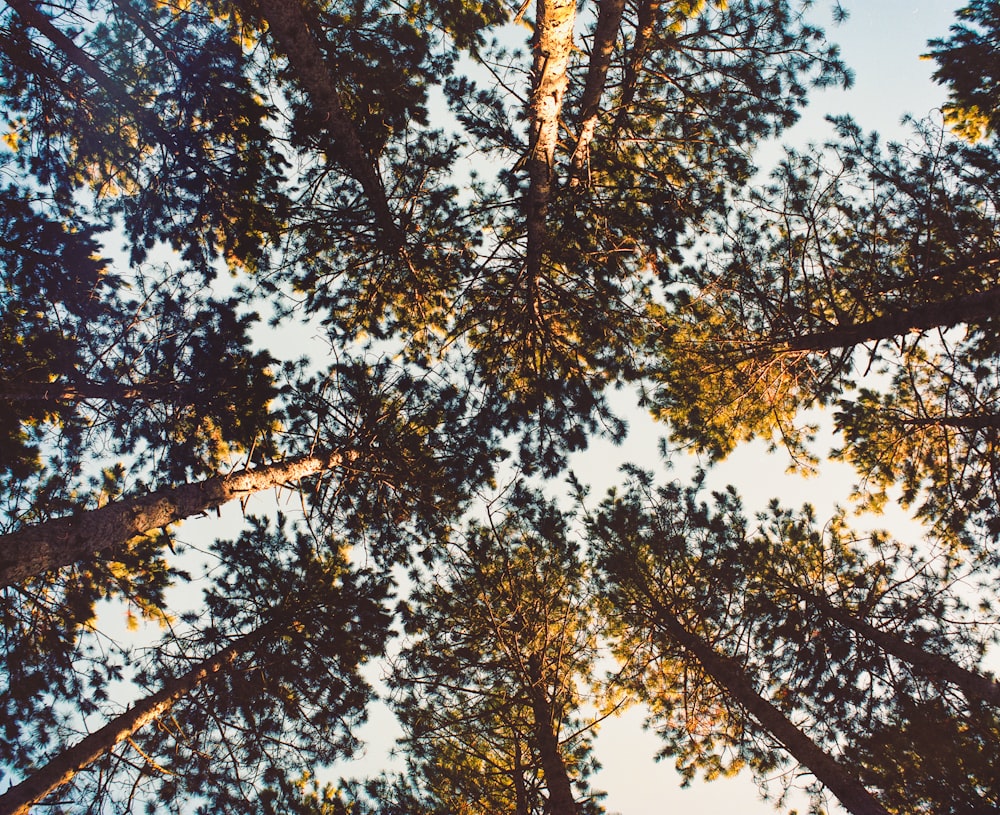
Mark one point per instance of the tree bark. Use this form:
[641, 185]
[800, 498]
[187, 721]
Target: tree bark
[553, 44]
[731, 676]
[557, 783]
[933, 666]
[19, 800]
[644, 27]
[81, 391]
[108, 529]
[966, 308]
[293, 38]
[609, 19]
[975, 421]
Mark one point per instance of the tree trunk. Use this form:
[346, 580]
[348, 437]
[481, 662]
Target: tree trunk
[553, 43]
[933, 666]
[292, 37]
[108, 529]
[609, 19]
[730, 676]
[517, 778]
[644, 27]
[20, 392]
[967, 308]
[975, 421]
[19, 800]
[557, 783]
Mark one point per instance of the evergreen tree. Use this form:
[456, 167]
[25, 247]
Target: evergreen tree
[263, 680]
[502, 648]
[734, 634]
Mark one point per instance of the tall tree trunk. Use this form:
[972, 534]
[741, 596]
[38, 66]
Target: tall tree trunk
[108, 529]
[966, 308]
[20, 392]
[933, 666]
[293, 37]
[731, 676]
[557, 783]
[609, 19]
[553, 44]
[19, 800]
[645, 25]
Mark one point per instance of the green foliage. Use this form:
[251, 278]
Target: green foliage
[288, 701]
[780, 598]
[934, 435]
[829, 271]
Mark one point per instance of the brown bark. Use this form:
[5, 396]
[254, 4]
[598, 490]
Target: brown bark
[609, 18]
[108, 529]
[644, 27]
[557, 782]
[293, 38]
[553, 44]
[19, 800]
[976, 421]
[966, 308]
[732, 677]
[78, 392]
[517, 776]
[933, 666]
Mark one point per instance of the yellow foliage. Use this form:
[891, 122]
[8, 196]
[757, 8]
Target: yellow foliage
[968, 123]
[15, 134]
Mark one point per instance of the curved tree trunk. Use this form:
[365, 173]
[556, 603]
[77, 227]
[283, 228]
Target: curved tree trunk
[108, 529]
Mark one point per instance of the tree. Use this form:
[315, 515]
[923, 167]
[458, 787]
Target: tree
[501, 650]
[932, 433]
[109, 529]
[682, 633]
[678, 112]
[472, 315]
[793, 624]
[851, 253]
[288, 625]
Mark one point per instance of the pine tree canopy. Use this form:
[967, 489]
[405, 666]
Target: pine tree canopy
[315, 317]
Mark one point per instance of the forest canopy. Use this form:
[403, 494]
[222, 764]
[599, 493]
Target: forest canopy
[366, 277]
